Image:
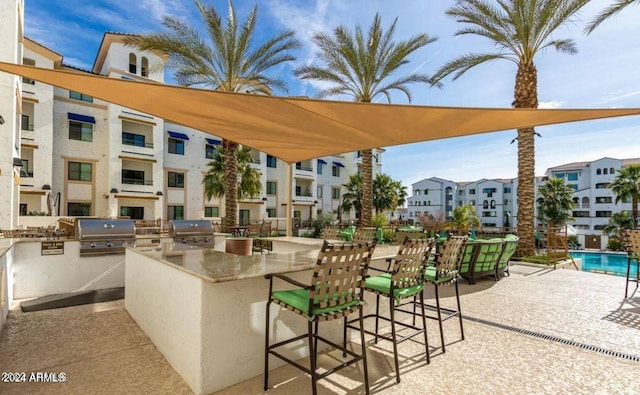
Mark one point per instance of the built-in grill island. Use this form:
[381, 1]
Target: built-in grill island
[105, 236]
[197, 233]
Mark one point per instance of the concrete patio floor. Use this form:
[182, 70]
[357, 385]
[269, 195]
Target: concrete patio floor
[537, 331]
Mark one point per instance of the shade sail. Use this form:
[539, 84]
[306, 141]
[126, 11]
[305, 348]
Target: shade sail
[296, 129]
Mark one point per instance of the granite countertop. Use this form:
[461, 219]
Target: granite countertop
[218, 266]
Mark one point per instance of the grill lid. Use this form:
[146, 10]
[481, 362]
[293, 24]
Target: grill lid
[106, 229]
[190, 228]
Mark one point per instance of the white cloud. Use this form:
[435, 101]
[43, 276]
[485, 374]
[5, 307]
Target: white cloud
[550, 104]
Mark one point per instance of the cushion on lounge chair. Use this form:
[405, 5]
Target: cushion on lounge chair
[382, 284]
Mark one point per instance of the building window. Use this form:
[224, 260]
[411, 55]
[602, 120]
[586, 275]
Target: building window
[572, 176]
[580, 214]
[175, 179]
[506, 190]
[472, 191]
[78, 171]
[79, 209]
[175, 212]
[472, 202]
[23, 209]
[132, 63]
[426, 191]
[559, 175]
[612, 171]
[335, 170]
[603, 214]
[485, 204]
[272, 187]
[271, 212]
[319, 192]
[605, 171]
[80, 131]
[144, 67]
[132, 212]
[80, 96]
[133, 177]
[28, 62]
[602, 185]
[136, 140]
[574, 186]
[585, 202]
[209, 151]
[598, 171]
[493, 204]
[335, 193]
[176, 146]
[211, 211]
[272, 161]
[461, 192]
[603, 199]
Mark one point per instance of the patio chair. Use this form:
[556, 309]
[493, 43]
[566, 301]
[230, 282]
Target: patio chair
[445, 271]
[336, 291]
[403, 278]
[633, 254]
[510, 246]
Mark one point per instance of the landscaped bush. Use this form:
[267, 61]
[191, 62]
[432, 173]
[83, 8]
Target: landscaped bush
[319, 223]
[615, 244]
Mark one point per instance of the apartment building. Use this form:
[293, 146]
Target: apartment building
[76, 155]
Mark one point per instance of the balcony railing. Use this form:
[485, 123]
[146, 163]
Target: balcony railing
[305, 194]
[136, 181]
[255, 161]
[305, 168]
[28, 128]
[136, 143]
[29, 81]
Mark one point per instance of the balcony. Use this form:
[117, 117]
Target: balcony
[136, 181]
[136, 142]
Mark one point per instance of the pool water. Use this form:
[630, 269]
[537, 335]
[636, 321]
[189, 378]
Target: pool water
[605, 262]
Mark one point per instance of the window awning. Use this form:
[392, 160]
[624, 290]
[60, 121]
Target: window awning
[322, 162]
[81, 118]
[177, 135]
[213, 141]
[338, 164]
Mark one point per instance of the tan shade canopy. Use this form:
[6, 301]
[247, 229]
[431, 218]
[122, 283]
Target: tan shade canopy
[295, 129]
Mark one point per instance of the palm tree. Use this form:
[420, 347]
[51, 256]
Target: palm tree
[248, 185]
[555, 201]
[227, 59]
[464, 218]
[359, 65]
[519, 29]
[608, 12]
[352, 199]
[626, 185]
[619, 223]
[388, 193]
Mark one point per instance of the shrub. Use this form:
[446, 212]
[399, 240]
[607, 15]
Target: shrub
[319, 223]
[379, 220]
[615, 244]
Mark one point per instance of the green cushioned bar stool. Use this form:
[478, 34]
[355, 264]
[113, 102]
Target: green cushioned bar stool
[445, 271]
[336, 290]
[403, 279]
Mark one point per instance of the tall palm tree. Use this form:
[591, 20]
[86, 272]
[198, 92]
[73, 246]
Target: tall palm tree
[555, 201]
[360, 65]
[228, 58]
[248, 180]
[626, 185]
[608, 12]
[519, 30]
[619, 223]
[464, 218]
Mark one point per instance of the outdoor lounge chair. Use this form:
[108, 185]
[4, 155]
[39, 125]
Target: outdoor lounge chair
[485, 259]
[336, 290]
[403, 278]
[510, 246]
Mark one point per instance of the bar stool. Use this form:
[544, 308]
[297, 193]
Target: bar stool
[633, 254]
[445, 271]
[403, 278]
[336, 290]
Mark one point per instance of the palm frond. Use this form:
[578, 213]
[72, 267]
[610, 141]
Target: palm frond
[608, 12]
[464, 63]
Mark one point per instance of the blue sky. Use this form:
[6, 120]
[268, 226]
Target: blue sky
[604, 73]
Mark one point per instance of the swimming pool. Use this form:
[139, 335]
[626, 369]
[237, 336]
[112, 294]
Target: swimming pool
[605, 262]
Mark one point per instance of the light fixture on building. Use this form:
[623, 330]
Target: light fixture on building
[315, 202]
[158, 193]
[1, 120]
[17, 162]
[264, 199]
[46, 187]
[113, 190]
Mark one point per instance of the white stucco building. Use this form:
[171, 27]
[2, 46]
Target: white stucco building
[74, 155]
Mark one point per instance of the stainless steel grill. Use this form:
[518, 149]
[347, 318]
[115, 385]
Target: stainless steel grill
[193, 232]
[105, 236]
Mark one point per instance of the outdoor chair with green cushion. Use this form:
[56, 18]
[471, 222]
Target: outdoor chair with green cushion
[336, 290]
[467, 258]
[444, 271]
[485, 260]
[401, 234]
[633, 254]
[510, 246]
[365, 234]
[403, 279]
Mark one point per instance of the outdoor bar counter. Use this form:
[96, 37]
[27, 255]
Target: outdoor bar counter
[205, 309]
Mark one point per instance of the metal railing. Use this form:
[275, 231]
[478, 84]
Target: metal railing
[136, 181]
[136, 143]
